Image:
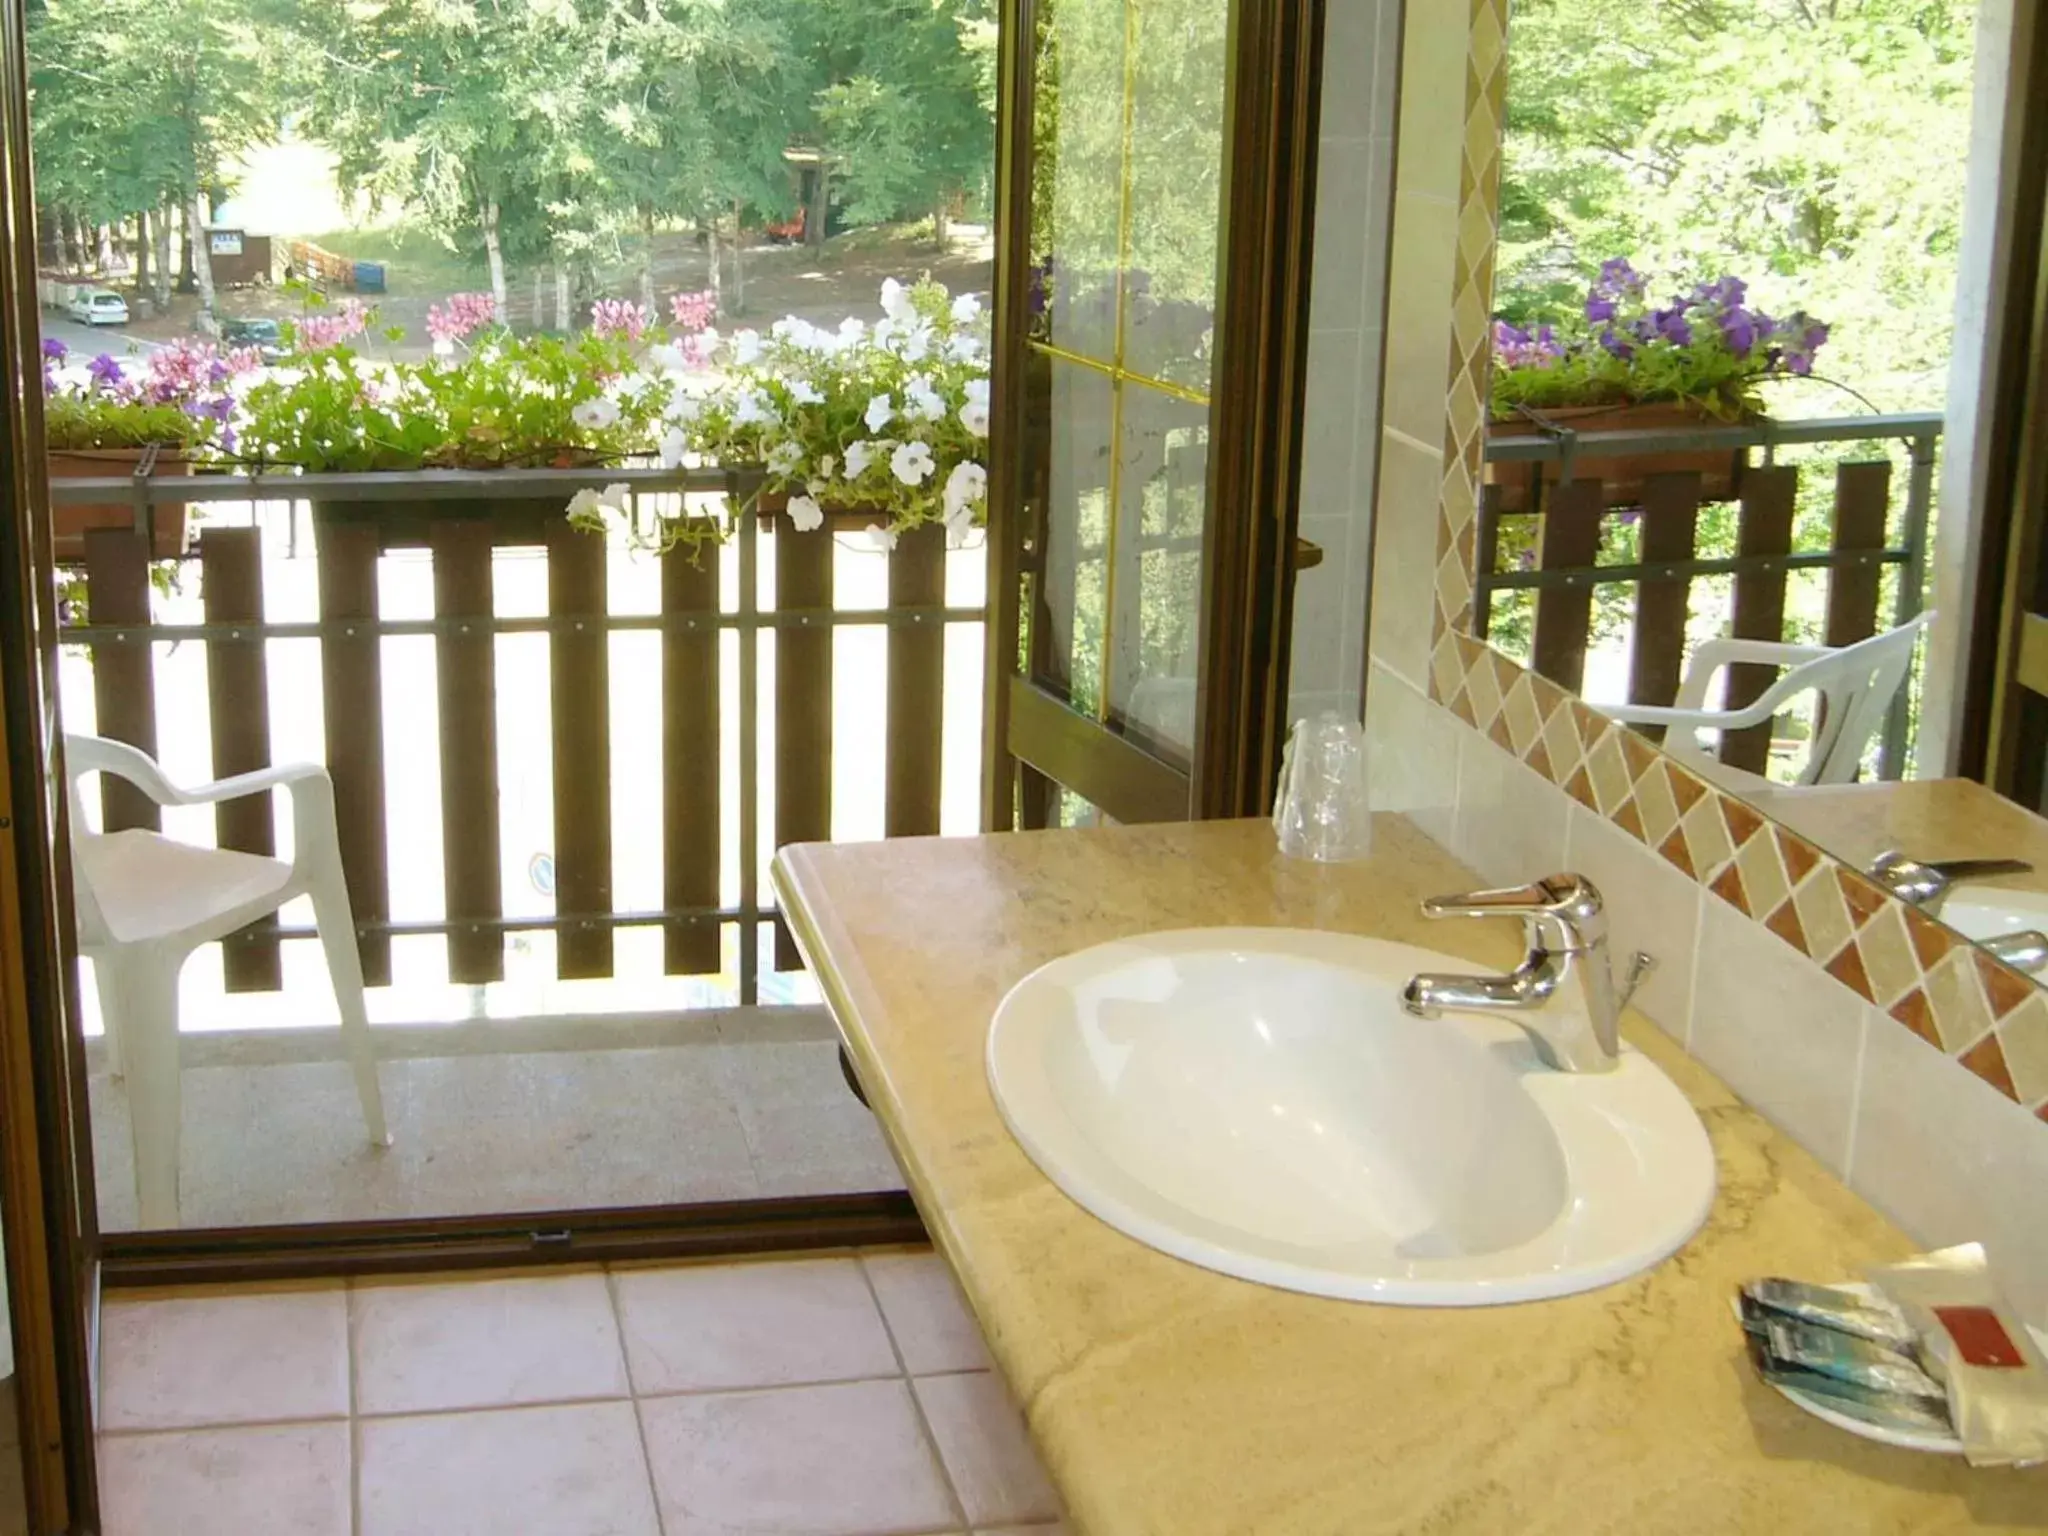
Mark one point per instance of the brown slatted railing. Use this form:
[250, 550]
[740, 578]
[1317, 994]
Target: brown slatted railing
[1570, 515]
[360, 524]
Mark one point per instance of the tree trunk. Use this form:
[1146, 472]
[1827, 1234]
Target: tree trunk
[562, 312]
[188, 280]
[739, 268]
[202, 259]
[942, 226]
[715, 277]
[142, 266]
[820, 209]
[74, 258]
[539, 321]
[494, 248]
[162, 234]
[49, 239]
[105, 234]
[647, 255]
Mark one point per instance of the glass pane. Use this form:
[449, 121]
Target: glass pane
[1078, 172]
[1075, 415]
[1175, 190]
[1162, 501]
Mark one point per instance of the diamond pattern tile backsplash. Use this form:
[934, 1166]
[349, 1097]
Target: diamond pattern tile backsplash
[1988, 1018]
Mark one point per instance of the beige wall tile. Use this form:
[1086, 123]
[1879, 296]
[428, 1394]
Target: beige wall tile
[1780, 1031]
[1419, 315]
[1433, 52]
[1953, 1160]
[930, 1320]
[1650, 907]
[1404, 563]
[1411, 754]
[1511, 824]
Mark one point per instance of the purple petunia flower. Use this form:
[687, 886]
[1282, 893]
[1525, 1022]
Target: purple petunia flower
[55, 350]
[1671, 325]
[106, 372]
[1617, 344]
[1618, 277]
[1739, 330]
[1599, 308]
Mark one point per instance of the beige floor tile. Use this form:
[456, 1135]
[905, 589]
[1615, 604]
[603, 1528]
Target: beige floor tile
[485, 1343]
[279, 1479]
[751, 1325]
[562, 1471]
[925, 1311]
[252, 1357]
[987, 1451]
[843, 1460]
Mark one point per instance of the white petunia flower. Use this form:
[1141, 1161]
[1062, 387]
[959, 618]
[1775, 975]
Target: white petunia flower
[921, 401]
[616, 495]
[785, 457]
[965, 309]
[912, 463]
[966, 485]
[826, 465]
[595, 415]
[683, 407]
[818, 490]
[896, 300]
[754, 409]
[974, 418]
[586, 505]
[805, 513]
[880, 539]
[746, 347]
[977, 391]
[964, 349]
[860, 455]
[674, 444]
[444, 347]
[880, 412]
[916, 343]
[666, 357]
[804, 392]
[851, 329]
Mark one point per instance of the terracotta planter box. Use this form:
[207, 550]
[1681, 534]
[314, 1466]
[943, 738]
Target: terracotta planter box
[69, 524]
[1521, 485]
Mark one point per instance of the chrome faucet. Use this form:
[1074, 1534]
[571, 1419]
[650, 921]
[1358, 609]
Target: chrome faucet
[1926, 883]
[2024, 949]
[1566, 923]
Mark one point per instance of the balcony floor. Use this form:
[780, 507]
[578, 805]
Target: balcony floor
[512, 1115]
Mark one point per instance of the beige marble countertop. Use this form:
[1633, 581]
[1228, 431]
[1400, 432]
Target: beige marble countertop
[1928, 818]
[1167, 1399]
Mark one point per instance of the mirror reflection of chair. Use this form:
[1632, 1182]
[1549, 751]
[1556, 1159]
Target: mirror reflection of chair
[146, 901]
[1854, 684]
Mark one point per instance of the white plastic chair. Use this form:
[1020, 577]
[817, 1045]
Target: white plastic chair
[146, 901]
[1856, 684]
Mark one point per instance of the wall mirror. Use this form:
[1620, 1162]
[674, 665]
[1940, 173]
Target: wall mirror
[1735, 426]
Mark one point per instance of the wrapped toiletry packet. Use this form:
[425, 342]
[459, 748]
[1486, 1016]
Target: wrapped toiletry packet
[1994, 1373]
[1848, 1349]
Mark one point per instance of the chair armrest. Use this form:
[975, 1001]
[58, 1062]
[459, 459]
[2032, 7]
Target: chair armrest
[90, 754]
[1724, 650]
[1716, 719]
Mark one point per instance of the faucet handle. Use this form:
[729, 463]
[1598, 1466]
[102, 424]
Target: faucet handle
[1563, 912]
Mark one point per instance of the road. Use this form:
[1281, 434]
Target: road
[91, 340]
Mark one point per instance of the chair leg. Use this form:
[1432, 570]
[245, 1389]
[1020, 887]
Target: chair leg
[337, 927]
[139, 986]
[110, 1014]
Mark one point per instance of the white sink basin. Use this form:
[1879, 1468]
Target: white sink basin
[1254, 1100]
[1987, 912]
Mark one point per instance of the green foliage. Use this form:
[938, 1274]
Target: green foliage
[505, 402]
[75, 420]
[892, 417]
[1816, 148]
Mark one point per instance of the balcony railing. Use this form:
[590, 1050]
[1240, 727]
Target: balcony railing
[1671, 587]
[413, 580]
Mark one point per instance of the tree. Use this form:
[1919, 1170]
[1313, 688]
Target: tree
[142, 105]
[1815, 149]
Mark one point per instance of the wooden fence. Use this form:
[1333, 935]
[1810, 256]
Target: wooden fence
[1570, 515]
[461, 521]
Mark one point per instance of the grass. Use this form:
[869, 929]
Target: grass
[415, 262]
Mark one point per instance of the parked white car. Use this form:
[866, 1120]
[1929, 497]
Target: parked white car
[98, 306]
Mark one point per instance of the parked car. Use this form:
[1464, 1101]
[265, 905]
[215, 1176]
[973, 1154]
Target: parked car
[98, 306]
[257, 331]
